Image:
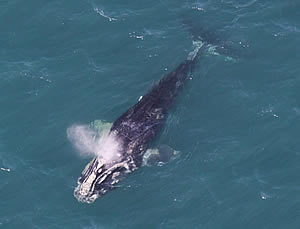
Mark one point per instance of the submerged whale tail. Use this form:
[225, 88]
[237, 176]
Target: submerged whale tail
[193, 56]
[214, 44]
[198, 45]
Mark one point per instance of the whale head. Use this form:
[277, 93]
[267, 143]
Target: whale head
[99, 177]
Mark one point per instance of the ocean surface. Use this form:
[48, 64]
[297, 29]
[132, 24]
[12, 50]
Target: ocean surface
[236, 123]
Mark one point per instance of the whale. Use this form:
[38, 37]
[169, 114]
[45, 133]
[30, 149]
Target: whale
[135, 130]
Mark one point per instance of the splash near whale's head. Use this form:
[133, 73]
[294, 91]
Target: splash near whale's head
[89, 142]
[105, 170]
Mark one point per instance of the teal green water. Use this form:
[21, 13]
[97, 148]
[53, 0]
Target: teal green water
[236, 123]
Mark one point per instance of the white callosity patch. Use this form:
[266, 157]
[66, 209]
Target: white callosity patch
[84, 187]
[95, 140]
[85, 190]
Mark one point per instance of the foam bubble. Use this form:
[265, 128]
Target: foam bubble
[90, 143]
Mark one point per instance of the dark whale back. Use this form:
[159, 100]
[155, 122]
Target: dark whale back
[141, 123]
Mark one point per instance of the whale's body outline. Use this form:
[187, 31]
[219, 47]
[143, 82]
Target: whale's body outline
[135, 129]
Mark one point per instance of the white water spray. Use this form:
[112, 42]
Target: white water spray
[91, 143]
